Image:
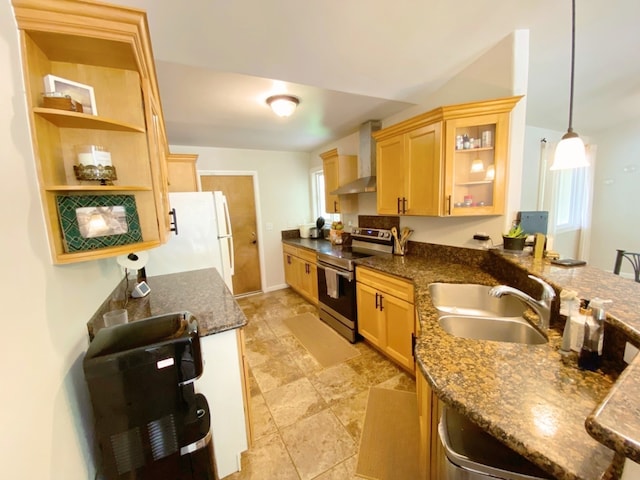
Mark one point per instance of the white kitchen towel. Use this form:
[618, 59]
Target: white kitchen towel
[331, 277]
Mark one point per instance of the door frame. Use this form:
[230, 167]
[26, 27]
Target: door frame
[256, 194]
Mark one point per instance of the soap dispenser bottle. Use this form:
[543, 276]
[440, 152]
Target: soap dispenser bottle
[591, 352]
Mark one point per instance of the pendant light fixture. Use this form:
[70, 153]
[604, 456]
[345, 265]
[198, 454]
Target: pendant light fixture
[570, 152]
[283, 105]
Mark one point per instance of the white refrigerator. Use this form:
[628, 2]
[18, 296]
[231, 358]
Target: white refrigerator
[203, 239]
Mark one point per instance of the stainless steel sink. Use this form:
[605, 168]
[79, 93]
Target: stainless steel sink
[467, 310]
[473, 299]
[499, 329]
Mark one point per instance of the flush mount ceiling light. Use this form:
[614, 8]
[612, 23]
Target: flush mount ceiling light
[283, 105]
[570, 152]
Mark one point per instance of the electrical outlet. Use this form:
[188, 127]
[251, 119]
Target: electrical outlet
[630, 352]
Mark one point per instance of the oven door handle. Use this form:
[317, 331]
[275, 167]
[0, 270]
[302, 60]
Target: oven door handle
[347, 275]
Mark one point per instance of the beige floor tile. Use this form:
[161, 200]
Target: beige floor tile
[293, 402]
[373, 368]
[267, 459]
[351, 411]
[260, 351]
[338, 382]
[343, 471]
[307, 419]
[317, 443]
[276, 372]
[403, 381]
[262, 420]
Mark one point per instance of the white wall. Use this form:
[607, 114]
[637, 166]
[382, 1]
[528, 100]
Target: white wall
[284, 195]
[45, 412]
[616, 216]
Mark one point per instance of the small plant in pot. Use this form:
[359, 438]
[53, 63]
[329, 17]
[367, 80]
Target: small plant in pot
[515, 238]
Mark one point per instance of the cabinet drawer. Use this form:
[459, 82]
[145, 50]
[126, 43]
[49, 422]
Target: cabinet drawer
[386, 283]
[307, 255]
[291, 250]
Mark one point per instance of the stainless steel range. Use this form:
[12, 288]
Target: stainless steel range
[337, 282]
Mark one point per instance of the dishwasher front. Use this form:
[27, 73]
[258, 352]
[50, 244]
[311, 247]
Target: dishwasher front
[473, 454]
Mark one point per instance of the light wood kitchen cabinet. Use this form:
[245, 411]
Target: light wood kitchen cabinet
[432, 457]
[404, 162]
[450, 161]
[182, 173]
[386, 314]
[339, 170]
[300, 271]
[107, 48]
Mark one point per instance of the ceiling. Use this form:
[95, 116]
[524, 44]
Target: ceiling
[348, 62]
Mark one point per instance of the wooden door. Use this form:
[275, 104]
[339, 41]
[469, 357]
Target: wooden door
[399, 324]
[390, 175]
[242, 209]
[368, 313]
[423, 179]
[330, 169]
[290, 270]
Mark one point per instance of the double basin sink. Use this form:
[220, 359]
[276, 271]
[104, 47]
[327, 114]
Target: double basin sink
[468, 311]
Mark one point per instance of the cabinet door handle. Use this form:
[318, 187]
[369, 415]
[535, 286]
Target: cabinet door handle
[381, 307]
[449, 201]
[399, 205]
[335, 206]
[288, 259]
[173, 221]
[377, 300]
[404, 205]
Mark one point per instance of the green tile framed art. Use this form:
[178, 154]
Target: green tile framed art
[91, 222]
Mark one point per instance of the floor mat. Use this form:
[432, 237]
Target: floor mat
[390, 436]
[324, 343]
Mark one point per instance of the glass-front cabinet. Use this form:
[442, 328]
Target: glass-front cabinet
[476, 153]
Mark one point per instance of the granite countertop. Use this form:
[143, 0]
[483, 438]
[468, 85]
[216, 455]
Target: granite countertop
[320, 245]
[524, 395]
[533, 399]
[201, 292]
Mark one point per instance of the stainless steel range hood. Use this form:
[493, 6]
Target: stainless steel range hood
[366, 181]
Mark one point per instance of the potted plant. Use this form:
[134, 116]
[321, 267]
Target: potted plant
[515, 238]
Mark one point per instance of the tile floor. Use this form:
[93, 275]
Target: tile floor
[307, 420]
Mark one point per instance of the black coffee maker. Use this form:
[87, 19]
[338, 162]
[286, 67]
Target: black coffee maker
[149, 422]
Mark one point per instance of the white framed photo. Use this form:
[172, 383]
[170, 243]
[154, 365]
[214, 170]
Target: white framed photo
[78, 92]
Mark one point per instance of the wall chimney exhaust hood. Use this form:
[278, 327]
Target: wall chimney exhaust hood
[366, 181]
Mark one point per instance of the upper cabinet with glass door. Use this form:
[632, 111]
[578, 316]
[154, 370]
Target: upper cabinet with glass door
[460, 167]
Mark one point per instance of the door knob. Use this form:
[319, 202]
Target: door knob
[254, 238]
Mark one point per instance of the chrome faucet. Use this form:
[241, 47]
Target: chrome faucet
[542, 307]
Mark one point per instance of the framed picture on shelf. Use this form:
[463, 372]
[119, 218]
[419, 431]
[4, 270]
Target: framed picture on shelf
[78, 92]
[90, 222]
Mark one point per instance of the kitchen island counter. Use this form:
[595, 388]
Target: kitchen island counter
[525, 395]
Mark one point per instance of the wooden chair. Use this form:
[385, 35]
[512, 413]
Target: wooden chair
[634, 258]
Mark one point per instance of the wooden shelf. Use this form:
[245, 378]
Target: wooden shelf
[69, 119]
[106, 47]
[108, 252]
[472, 150]
[98, 188]
[480, 182]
